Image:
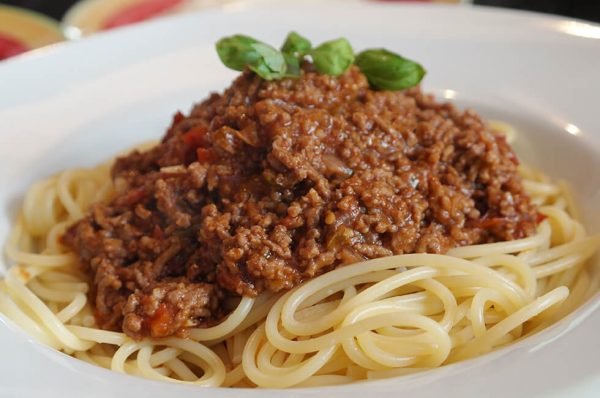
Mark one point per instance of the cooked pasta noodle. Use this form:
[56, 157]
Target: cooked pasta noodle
[380, 318]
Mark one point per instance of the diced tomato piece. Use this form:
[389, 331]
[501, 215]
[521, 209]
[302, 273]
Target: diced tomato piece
[195, 136]
[540, 217]
[161, 321]
[205, 155]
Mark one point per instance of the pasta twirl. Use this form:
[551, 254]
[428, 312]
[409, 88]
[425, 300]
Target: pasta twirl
[380, 318]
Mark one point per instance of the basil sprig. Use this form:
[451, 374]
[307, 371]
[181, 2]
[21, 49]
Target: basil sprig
[296, 45]
[239, 51]
[388, 71]
[333, 57]
[384, 69]
[294, 48]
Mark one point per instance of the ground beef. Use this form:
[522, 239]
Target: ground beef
[273, 183]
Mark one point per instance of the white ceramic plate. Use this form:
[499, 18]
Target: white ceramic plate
[80, 103]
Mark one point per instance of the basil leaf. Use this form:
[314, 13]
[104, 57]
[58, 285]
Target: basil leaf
[236, 51]
[386, 70]
[293, 49]
[292, 68]
[296, 45]
[271, 64]
[333, 57]
[239, 51]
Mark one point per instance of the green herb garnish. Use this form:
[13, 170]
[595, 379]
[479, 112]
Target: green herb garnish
[296, 45]
[384, 69]
[333, 57]
[388, 71]
[239, 51]
[294, 48]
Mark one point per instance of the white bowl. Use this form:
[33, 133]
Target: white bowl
[79, 103]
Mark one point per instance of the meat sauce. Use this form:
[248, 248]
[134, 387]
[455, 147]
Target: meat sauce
[272, 183]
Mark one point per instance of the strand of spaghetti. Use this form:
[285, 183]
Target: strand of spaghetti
[98, 335]
[67, 284]
[43, 312]
[214, 374]
[468, 285]
[97, 360]
[342, 284]
[504, 128]
[261, 307]
[471, 305]
[327, 340]
[73, 308]
[445, 296]
[564, 230]
[233, 321]
[269, 352]
[423, 302]
[60, 296]
[563, 263]
[104, 192]
[337, 363]
[164, 355]
[477, 310]
[387, 358]
[390, 316]
[40, 260]
[10, 309]
[309, 314]
[515, 246]
[515, 264]
[66, 199]
[234, 376]
[40, 215]
[442, 262]
[418, 343]
[293, 377]
[120, 356]
[145, 367]
[567, 193]
[52, 238]
[288, 305]
[180, 369]
[52, 276]
[485, 342]
[239, 342]
[562, 250]
[356, 354]
[24, 273]
[538, 188]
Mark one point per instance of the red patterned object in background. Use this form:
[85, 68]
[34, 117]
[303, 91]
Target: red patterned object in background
[139, 12]
[9, 46]
[89, 16]
[22, 30]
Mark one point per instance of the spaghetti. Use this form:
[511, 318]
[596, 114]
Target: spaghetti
[379, 318]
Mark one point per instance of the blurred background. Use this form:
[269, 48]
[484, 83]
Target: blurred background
[29, 24]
